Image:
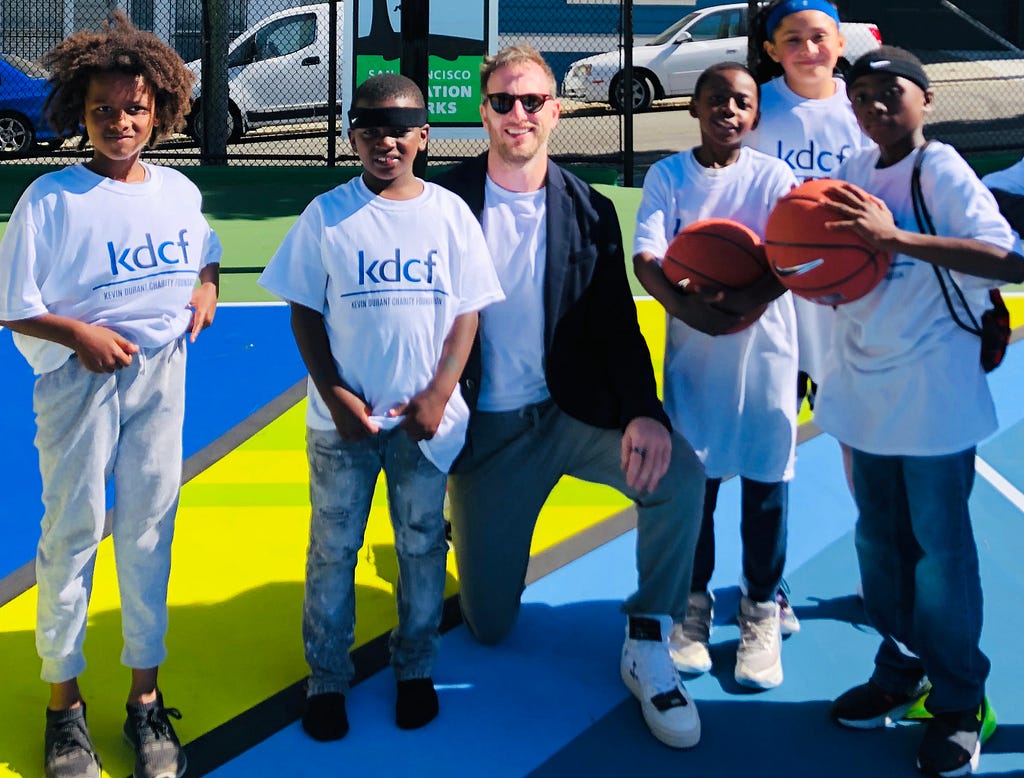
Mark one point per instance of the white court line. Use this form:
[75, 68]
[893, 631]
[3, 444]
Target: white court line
[1004, 487]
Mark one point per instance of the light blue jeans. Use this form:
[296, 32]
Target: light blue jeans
[919, 569]
[92, 427]
[342, 477]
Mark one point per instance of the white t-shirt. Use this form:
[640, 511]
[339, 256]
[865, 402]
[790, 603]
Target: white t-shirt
[903, 378]
[122, 256]
[813, 137]
[1010, 180]
[732, 396]
[512, 331]
[390, 277]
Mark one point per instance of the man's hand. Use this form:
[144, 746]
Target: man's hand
[101, 350]
[422, 415]
[646, 453]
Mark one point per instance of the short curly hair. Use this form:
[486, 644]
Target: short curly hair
[117, 47]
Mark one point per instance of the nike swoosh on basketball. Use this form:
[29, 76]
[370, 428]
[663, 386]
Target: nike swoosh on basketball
[797, 270]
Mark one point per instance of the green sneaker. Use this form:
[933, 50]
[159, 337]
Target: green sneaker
[952, 741]
[918, 712]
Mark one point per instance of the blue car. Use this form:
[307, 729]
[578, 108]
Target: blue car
[23, 90]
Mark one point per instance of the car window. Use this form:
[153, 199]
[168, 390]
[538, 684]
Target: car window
[243, 53]
[670, 32]
[29, 68]
[285, 36]
[725, 24]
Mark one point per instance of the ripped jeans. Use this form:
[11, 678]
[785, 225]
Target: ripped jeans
[342, 477]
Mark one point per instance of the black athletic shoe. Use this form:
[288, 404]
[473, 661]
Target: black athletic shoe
[68, 747]
[952, 742]
[324, 717]
[416, 704]
[158, 751]
[868, 706]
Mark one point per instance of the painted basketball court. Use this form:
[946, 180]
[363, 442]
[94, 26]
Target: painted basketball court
[548, 701]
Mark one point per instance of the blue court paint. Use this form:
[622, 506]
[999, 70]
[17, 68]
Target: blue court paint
[549, 701]
[241, 363]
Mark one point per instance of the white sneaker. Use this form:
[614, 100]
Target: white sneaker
[789, 624]
[688, 642]
[759, 655]
[648, 673]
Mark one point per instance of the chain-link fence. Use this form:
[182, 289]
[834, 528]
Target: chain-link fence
[265, 69]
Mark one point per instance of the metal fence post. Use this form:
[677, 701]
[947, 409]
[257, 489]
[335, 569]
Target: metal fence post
[415, 56]
[214, 101]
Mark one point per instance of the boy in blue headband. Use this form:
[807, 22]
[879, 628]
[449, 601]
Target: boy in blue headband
[385, 276]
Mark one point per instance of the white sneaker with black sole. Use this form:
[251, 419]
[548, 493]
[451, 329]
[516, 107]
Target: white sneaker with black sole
[648, 672]
[759, 654]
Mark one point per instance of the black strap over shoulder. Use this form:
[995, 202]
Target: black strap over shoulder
[994, 327]
[927, 227]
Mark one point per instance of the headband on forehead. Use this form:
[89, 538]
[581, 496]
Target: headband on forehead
[391, 116]
[783, 10]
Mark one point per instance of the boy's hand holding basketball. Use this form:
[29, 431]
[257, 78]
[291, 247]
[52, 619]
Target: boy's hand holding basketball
[863, 214]
[423, 414]
[350, 414]
[646, 453]
[101, 350]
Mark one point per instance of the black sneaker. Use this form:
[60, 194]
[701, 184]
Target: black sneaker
[868, 706]
[417, 704]
[68, 747]
[952, 742]
[324, 717]
[158, 751]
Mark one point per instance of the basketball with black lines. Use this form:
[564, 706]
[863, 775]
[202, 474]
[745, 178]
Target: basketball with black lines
[717, 253]
[831, 267]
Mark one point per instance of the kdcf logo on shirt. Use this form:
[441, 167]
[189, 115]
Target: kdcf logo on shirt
[396, 270]
[148, 255]
[812, 158]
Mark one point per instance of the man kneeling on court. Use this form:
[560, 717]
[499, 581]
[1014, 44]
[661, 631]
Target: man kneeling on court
[562, 383]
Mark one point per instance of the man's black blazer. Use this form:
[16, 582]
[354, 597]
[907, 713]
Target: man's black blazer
[597, 363]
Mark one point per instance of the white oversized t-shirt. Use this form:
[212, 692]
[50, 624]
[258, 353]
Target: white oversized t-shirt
[122, 256]
[903, 378]
[390, 277]
[813, 137]
[732, 396]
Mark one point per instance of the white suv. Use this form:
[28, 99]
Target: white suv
[668, 66]
[277, 72]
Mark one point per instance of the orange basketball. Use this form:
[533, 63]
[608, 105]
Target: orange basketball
[827, 267]
[717, 253]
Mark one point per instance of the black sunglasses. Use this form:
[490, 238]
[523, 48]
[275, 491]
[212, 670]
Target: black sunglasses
[503, 102]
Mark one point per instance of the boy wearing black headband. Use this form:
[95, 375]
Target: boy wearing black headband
[906, 390]
[385, 276]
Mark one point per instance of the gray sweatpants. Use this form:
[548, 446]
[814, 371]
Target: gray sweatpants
[511, 463]
[91, 427]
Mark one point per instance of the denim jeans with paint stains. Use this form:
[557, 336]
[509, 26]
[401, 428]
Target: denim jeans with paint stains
[342, 477]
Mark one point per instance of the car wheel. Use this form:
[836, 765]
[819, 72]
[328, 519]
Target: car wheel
[642, 93]
[16, 135]
[195, 123]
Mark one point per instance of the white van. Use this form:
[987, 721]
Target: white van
[277, 72]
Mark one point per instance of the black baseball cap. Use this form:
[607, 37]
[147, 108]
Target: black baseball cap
[892, 60]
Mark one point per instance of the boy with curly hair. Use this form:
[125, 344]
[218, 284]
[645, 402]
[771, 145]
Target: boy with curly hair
[98, 283]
